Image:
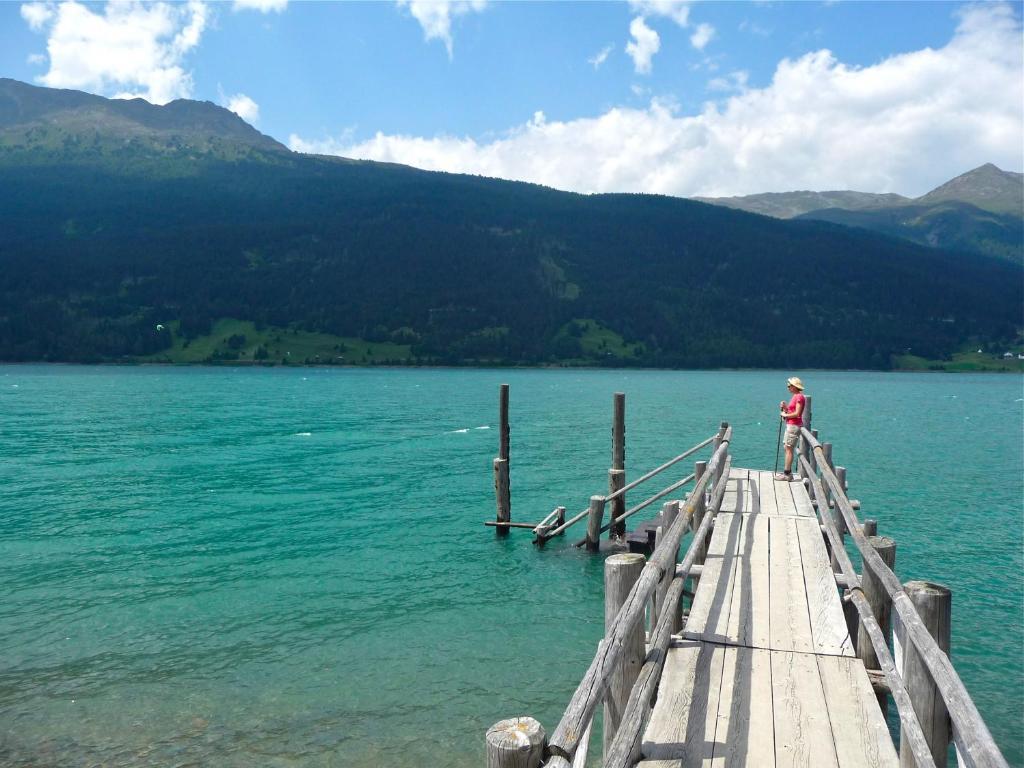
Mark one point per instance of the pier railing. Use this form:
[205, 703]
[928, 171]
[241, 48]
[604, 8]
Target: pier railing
[627, 666]
[929, 695]
[555, 523]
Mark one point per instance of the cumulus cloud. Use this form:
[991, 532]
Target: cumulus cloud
[677, 10]
[702, 36]
[263, 6]
[244, 107]
[37, 15]
[902, 125]
[734, 81]
[600, 57]
[123, 50]
[435, 16]
[643, 46]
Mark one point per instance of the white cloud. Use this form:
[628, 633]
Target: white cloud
[263, 6]
[600, 57]
[127, 49]
[244, 107]
[702, 36]
[677, 10]
[435, 16]
[734, 81]
[36, 14]
[903, 125]
[36, 58]
[643, 46]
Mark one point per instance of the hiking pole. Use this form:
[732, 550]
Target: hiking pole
[778, 445]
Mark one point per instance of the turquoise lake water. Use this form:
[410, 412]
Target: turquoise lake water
[288, 567]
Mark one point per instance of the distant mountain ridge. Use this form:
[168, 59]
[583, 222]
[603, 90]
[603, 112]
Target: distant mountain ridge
[981, 211]
[133, 232]
[51, 122]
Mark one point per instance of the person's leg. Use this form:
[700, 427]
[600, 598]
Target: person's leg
[789, 459]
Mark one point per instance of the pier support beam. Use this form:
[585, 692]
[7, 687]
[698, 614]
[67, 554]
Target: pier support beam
[502, 487]
[515, 743]
[802, 445]
[617, 473]
[934, 603]
[881, 606]
[620, 574]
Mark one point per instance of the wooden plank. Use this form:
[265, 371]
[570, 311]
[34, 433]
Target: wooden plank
[684, 719]
[766, 491]
[745, 731]
[709, 614]
[803, 733]
[801, 500]
[790, 626]
[749, 608]
[784, 498]
[858, 728]
[829, 632]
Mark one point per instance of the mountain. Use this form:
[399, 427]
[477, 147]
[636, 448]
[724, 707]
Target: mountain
[42, 125]
[787, 205]
[981, 211]
[987, 188]
[174, 233]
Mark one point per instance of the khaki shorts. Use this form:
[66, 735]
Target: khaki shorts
[792, 435]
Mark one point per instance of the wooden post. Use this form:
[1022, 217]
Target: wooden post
[515, 743]
[722, 427]
[594, 518]
[502, 487]
[826, 449]
[870, 527]
[620, 574]
[669, 513]
[559, 517]
[617, 473]
[700, 509]
[802, 446]
[877, 596]
[934, 603]
[811, 455]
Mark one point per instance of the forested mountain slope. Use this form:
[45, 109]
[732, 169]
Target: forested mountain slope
[108, 247]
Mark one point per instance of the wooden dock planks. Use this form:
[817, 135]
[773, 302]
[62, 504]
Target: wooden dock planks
[764, 673]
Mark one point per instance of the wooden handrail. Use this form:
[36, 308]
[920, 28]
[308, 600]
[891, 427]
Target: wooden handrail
[644, 504]
[912, 730]
[566, 737]
[629, 486]
[970, 733]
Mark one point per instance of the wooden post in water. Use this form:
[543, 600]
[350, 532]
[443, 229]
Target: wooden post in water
[699, 510]
[881, 606]
[870, 527]
[502, 489]
[620, 574]
[594, 518]
[934, 603]
[617, 473]
[515, 743]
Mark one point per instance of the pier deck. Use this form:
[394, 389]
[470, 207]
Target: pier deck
[764, 672]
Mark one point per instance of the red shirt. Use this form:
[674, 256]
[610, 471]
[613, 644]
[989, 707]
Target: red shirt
[798, 399]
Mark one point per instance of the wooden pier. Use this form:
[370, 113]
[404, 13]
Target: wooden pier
[784, 655]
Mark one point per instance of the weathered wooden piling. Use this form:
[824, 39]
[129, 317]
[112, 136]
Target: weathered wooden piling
[594, 516]
[881, 606]
[515, 743]
[617, 473]
[803, 448]
[502, 488]
[699, 510]
[669, 512]
[620, 575]
[934, 604]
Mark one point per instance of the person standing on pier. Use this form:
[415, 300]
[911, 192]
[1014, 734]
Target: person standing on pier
[793, 414]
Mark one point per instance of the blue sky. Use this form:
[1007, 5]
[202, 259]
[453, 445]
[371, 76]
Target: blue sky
[654, 96]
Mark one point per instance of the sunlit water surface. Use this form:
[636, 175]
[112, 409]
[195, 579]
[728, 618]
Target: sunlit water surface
[288, 567]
